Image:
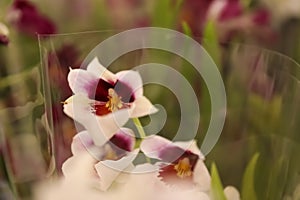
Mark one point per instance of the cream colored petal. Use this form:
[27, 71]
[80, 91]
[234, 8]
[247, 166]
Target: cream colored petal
[98, 70]
[231, 193]
[142, 107]
[109, 170]
[79, 167]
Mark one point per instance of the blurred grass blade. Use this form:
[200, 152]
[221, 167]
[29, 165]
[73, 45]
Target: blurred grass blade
[217, 192]
[162, 16]
[186, 29]
[248, 191]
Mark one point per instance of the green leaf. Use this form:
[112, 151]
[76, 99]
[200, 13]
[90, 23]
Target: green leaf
[248, 191]
[217, 192]
[211, 42]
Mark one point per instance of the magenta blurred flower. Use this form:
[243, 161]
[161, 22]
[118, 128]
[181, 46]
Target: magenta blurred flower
[118, 151]
[59, 62]
[103, 102]
[27, 19]
[4, 34]
[232, 20]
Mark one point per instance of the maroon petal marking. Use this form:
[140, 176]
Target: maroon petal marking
[101, 91]
[100, 109]
[173, 154]
[168, 174]
[121, 142]
[124, 91]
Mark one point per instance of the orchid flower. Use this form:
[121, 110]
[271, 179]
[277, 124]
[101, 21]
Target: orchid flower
[179, 164]
[105, 163]
[182, 164]
[103, 101]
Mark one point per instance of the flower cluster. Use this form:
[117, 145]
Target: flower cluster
[102, 165]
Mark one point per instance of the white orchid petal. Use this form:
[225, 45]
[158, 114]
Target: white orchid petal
[80, 144]
[201, 176]
[101, 128]
[143, 107]
[109, 124]
[83, 142]
[192, 146]
[81, 81]
[146, 168]
[78, 108]
[98, 70]
[231, 193]
[153, 145]
[133, 80]
[109, 170]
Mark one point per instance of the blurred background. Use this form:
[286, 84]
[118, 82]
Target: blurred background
[255, 44]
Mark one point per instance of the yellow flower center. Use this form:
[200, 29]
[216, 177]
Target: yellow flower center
[110, 154]
[114, 101]
[183, 168]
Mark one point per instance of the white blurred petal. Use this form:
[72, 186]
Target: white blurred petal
[231, 193]
[80, 167]
[3, 29]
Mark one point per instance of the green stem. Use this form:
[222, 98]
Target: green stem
[139, 127]
[141, 132]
